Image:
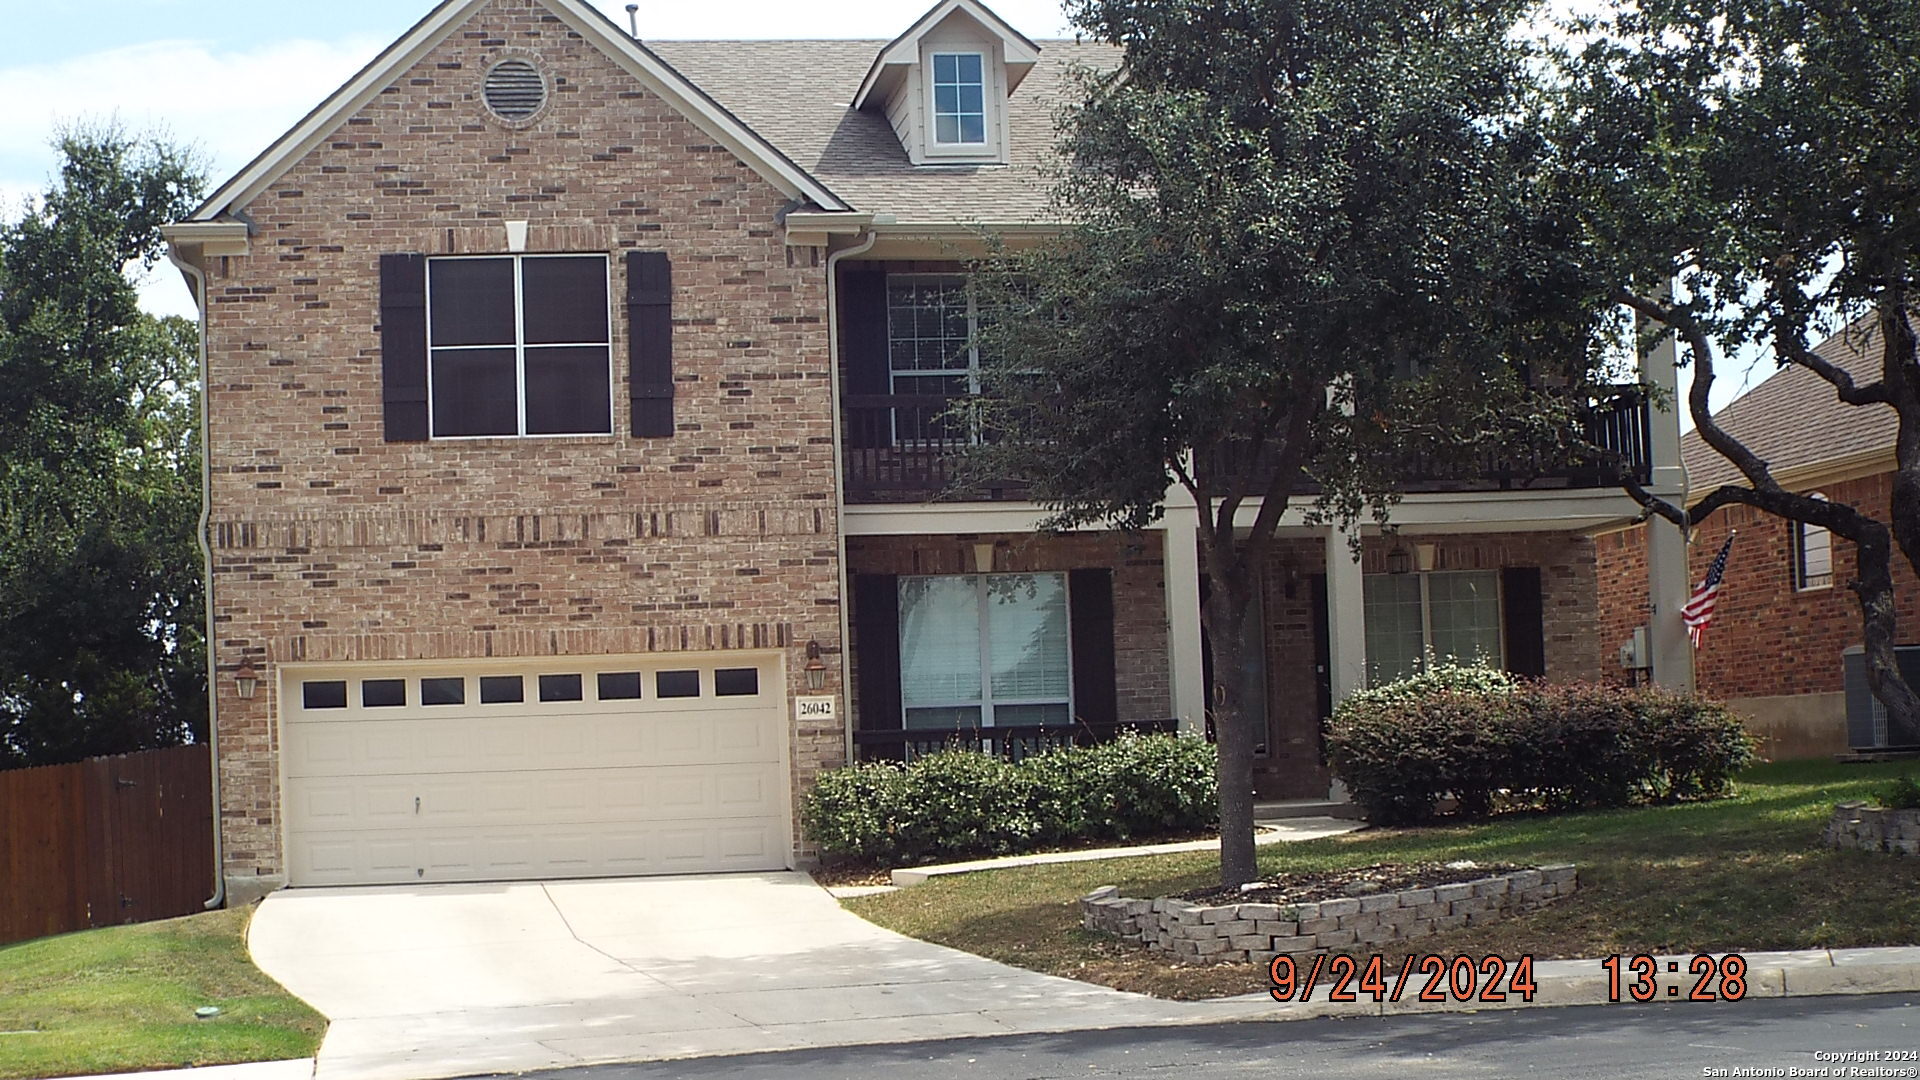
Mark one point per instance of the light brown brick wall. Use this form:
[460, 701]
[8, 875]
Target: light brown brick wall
[333, 544]
[1139, 592]
[1767, 639]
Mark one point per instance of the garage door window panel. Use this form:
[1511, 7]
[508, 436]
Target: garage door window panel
[325, 694]
[618, 685]
[383, 693]
[676, 684]
[736, 682]
[519, 345]
[502, 689]
[443, 691]
[560, 688]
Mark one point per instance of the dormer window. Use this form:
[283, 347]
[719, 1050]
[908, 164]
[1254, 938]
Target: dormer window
[959, 99]
[943, 85]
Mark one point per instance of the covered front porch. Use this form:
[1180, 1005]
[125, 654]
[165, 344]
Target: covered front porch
[1009, 640]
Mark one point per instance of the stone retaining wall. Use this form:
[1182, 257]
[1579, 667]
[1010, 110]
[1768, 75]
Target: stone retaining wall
[1872, 828]
[1254, 933]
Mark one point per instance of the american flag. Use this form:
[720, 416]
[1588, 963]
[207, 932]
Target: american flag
[1698, 611]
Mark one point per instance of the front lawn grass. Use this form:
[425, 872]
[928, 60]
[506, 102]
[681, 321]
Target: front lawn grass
[122, 998]
[1737, 874]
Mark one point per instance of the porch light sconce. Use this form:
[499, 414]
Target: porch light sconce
[1423, 555]
[983, 558]
[1399, 560]
[816, 668]
[246, 680]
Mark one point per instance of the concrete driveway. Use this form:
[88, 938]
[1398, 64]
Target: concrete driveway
[453, 980]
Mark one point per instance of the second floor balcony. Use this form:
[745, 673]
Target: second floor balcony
[905, 448]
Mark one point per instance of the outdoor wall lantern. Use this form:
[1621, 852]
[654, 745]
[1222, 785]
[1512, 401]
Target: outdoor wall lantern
[1399, 560]
[816, 668]
[246, 680]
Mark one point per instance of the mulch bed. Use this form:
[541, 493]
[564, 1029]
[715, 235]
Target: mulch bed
[1314, 886]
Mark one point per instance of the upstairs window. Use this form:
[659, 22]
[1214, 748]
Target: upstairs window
[519, 345]
[959, 99]
[1812, 554]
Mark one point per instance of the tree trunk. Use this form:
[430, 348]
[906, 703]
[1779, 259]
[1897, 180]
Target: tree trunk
[1874, 586]
[1226, 616]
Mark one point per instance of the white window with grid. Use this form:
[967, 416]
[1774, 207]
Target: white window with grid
[931, 353]
[1448, 615]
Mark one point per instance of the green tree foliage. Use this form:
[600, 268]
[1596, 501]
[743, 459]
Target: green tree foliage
[1750, 170]
[1312, 243]
[101, 647]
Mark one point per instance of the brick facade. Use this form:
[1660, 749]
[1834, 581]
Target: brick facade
[1767, 638]
[331, 544]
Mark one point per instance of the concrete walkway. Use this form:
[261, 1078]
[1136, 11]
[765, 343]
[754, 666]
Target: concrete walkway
[1270, 832]
[453, 980]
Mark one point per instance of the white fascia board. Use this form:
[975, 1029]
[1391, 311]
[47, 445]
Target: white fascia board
[935, 519]
[904, 51]
[1578, 510]
[656, 74]
[211, 237]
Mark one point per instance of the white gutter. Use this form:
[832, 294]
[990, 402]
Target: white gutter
[199, 281]
[839, 470]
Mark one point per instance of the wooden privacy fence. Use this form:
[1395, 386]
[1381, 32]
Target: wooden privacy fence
[109, 840]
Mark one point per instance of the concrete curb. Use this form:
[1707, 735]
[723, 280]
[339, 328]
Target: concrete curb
[291, 1069]
[1289, 830]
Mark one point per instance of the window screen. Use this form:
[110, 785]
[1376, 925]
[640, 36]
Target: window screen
[1450, 615]
[519, 345]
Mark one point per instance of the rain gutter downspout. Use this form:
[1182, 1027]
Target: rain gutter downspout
[868, 238]
[199, 280]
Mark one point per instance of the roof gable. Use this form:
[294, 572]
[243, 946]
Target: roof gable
[896, 56]
[656, 74]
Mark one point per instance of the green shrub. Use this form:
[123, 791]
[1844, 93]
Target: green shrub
[1485, 738]
[963, 803]
[1900, 793]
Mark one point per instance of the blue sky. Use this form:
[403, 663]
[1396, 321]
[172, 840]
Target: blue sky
[227, 77]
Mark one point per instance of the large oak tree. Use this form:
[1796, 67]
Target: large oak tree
[1310, 244]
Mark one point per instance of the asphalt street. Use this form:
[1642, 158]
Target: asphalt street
[1632, 1041]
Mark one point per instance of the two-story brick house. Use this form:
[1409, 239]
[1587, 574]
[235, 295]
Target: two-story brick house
[576, 468]
[1784, 616]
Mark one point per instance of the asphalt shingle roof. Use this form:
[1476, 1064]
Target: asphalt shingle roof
[798, 95]
[1794, 420]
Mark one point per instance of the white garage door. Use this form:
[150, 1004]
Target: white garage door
[468, 772]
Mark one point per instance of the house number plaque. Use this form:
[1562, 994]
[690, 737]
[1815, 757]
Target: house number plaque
[814, 708]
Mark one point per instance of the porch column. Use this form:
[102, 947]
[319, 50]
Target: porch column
[1346, 618]
[1180, 559]
[1670, 651]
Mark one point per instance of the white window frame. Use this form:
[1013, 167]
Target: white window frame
[520, 347]
[1802, 532]
[1426, 614]
[987, 703]
[987, 114]
[972, 351]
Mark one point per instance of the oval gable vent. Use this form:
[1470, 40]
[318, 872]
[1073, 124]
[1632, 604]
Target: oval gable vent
[515, 90]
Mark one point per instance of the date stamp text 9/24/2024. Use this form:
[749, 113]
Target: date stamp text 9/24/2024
[1495, 979]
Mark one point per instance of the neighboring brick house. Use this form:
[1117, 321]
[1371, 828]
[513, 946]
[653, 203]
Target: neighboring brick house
[1784, 612]
[576, 465]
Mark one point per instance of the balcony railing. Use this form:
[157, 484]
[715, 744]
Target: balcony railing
[903, 448]
[1014, 741]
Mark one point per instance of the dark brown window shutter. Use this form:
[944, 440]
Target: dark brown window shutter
[876, 643]
[650, 342]
[403, 347]
[1090, 599]
[863, 353]
[1522, 611]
